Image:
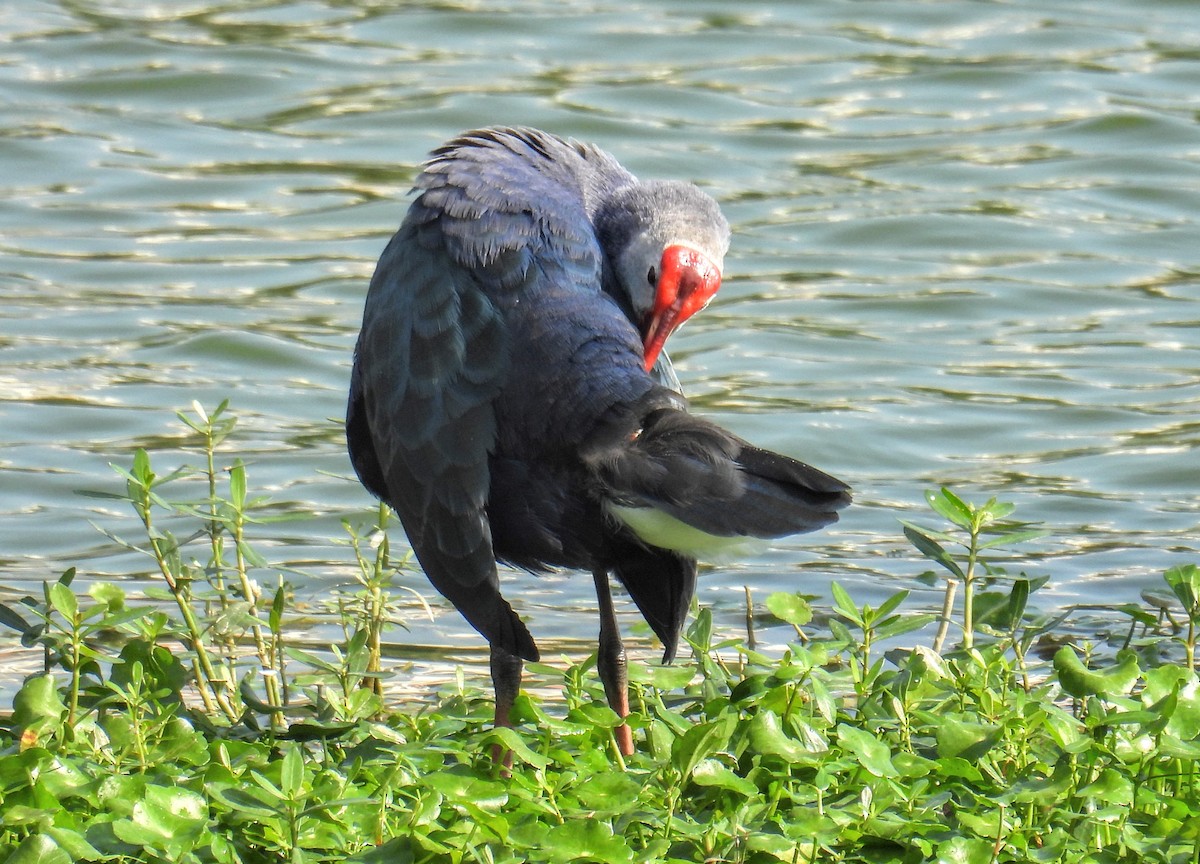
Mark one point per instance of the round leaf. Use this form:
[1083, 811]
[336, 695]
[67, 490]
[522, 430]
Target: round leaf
[790, 608]
[38, 849]
[871, 753]
[710, 772]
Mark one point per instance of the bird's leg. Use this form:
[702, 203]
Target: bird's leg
[611, 662]
[506, 679]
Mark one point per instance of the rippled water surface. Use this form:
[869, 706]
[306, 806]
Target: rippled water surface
[965, 253]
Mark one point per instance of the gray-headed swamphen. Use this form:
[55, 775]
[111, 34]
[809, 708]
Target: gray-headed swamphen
[511, 401]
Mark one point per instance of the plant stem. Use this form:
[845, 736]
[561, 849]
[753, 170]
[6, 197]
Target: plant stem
[616, 749]
[751, 640]
[1190, 645]
[76, 660]
[209, 685]
[947, 610]
[214, 523]
[969, 588]
[250, 595]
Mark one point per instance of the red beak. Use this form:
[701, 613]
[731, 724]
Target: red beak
[687, 280]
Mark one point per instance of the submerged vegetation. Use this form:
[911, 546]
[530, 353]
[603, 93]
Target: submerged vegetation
[190, 730]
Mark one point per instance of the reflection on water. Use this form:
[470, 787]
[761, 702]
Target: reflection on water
[964, 253]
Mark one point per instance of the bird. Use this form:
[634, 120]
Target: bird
[511, 401]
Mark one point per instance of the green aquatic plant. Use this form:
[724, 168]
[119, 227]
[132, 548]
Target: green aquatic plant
[827, 750]
[986, 527]
[1184, 582]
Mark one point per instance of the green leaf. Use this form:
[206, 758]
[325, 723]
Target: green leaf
[200, 412]
[38, 849]
[64, 601]
[1184, 580]
[991, 609]
[774, 845]
[588, 840]
[899, 626]
[931, 549]
[166, 818]
[465, 788]
[891, 604]
[1041, 790]
[965, 739]
[871, 753]
[245, 802]
[1011, 538]
[790, 608]
[160, 668]
[272, 791]
[822, 699]
[511, 740]
[767, 737]
[959, 769]
[710, 772]
[997, 510]
[291, 774]
[314, 661]
[700, 742]
[1182, 698]
[669, 678]
[1144, 616]
[37, 705]
[74, 844]
[609, 792]
[950, 507]
[699, 635]
[278, 606]
[1018, 599]
[911, 766]
[9, 618]
[1081, 682]
[1171, 747]
[398, 850]
[1064, 728]
[840, 632]
[597, 714]
[237, 485]
[752, 687]
[252, 556]
[987, 823]
[962, 850]
[112, 596]
[1111, 787]
[843, 603]
[141, 468]
[21, 816]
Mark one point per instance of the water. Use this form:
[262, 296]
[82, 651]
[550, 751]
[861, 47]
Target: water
[965, 253]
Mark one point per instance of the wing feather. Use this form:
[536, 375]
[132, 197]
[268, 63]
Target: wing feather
[434, 353]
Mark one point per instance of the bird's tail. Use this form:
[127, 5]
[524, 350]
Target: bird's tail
[687, 485]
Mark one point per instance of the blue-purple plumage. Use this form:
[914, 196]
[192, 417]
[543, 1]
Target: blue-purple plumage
[499, 402]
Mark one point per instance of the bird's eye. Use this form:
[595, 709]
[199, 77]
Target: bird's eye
[652, 277]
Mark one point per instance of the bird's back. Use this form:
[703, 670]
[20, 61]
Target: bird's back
[500, 225]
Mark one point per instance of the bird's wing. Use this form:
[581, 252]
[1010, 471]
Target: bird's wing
[493, 222]
[686, 485]
[431, 357]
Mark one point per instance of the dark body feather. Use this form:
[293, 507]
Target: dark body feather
[499, 404]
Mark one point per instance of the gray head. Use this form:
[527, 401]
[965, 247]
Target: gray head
[666, 242]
